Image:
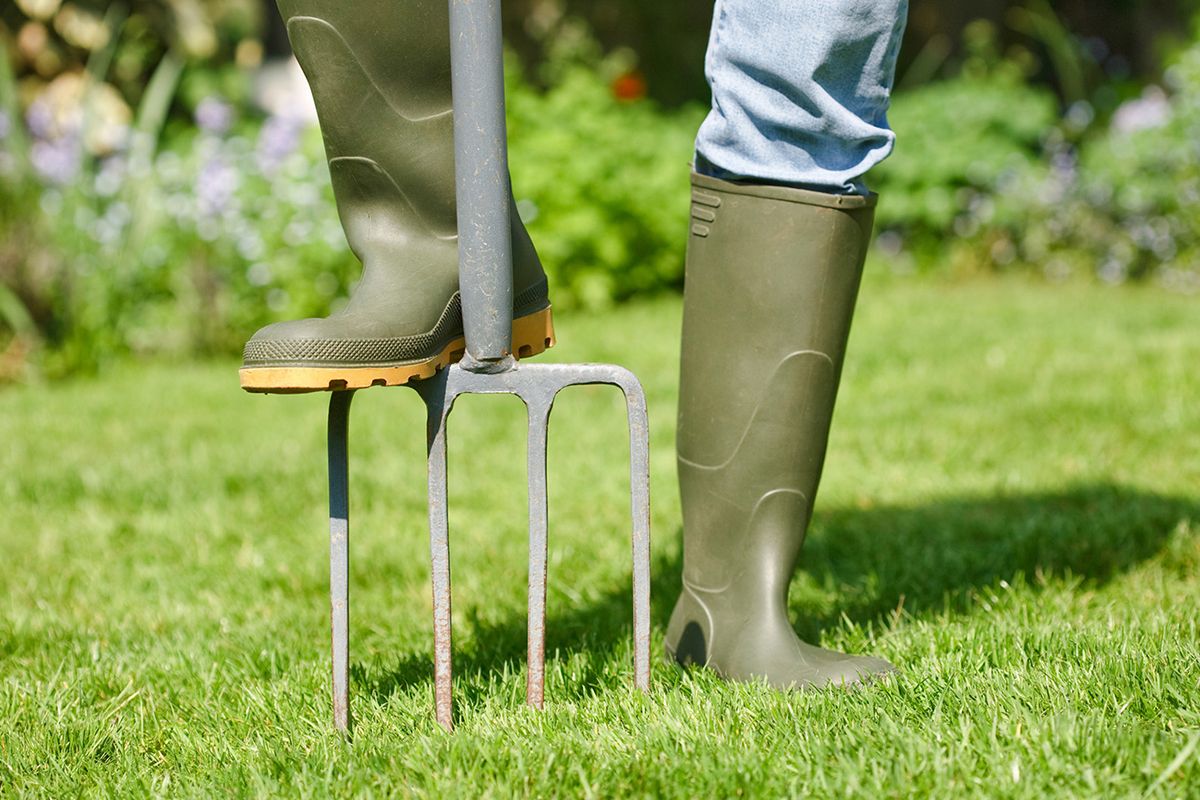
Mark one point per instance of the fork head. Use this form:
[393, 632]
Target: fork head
[537, 385]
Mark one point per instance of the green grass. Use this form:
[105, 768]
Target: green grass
[1010, 513]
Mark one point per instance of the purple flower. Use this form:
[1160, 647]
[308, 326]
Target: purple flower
[214, 115]
[215, 185]
[111, 176]
[40, 119]
[1151, 110]
[56, 161]
[277, 140]
[1063, 162]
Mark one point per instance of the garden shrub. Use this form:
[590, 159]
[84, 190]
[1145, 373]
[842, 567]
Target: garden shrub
[53, 37]
[1123, 203]
[959, 142]
[185, 250]
[184, 236]
[603, 186]
[1130, 208]
[986, 175]
[129, 230]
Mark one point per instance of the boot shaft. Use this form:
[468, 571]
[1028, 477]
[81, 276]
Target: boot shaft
[772, 277]
[403, 45]
[379, 71]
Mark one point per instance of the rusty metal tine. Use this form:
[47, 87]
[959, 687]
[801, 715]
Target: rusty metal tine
[535, 679]
[439, 548]
[485, 271]
[339, 553]
[639, 489]
[537, 385]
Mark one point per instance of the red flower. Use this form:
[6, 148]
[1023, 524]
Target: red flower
[630, 86]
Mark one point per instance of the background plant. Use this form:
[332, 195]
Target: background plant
[959, 143]
[603, 182]
[988, 175]
[1129, 205]
[171, 239]
[160, 208]
[184, 235]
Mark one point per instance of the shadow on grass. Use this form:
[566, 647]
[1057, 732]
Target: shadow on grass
[938, 555]
[933, 556]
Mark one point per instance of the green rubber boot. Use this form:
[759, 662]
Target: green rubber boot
[380, 76]
[772, 276]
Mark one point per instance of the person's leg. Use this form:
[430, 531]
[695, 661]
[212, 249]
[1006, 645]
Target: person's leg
[772, 275]
[800, 91]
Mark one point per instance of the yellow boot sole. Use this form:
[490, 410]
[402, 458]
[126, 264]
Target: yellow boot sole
[531, 334]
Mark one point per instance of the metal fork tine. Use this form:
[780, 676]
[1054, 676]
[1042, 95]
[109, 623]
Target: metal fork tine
[535, 680]
[537, 385]
[488, 366]
[639, 489]
[339, 553]
[439, 548]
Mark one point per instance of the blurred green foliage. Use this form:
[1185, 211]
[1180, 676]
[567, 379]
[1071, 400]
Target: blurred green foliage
[1129, 205]
[184, 238]
[180, 219]
[957, 141]
[987, 175]
[50, 37]
[1078, 48]
[602, 184]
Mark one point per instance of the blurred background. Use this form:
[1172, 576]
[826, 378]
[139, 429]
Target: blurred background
[163, 190]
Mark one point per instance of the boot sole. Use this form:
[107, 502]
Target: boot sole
[531, 334]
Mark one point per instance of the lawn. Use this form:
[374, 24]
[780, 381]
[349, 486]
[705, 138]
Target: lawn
[1010, 513]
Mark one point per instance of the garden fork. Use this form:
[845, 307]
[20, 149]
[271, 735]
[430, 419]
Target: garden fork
[488, 367]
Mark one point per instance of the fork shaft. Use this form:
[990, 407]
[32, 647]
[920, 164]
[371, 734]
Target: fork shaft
[481, 171]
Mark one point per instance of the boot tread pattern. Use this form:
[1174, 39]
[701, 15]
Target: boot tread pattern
[532, 334]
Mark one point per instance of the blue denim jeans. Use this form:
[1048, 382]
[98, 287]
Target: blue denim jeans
[800, 91]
